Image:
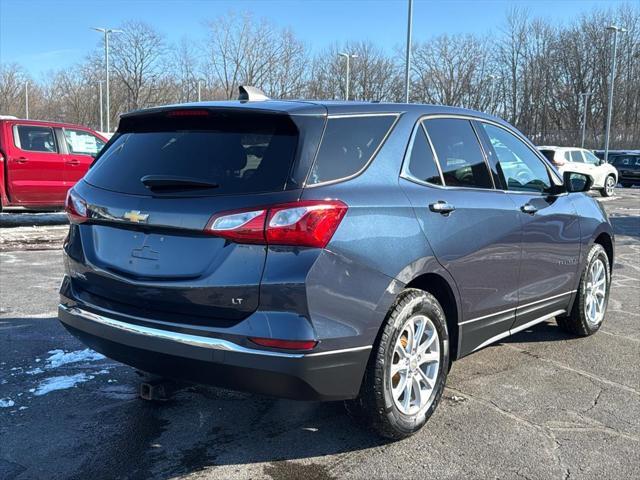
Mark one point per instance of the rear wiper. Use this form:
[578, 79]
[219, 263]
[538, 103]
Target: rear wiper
[169, 182]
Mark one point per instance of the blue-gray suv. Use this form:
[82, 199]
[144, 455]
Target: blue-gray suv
[326, 250]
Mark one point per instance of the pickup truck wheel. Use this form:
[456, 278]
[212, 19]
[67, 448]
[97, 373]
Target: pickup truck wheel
[408, 368]
[609, 186]
[590, 304]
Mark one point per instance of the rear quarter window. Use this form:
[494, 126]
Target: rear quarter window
[348, 145]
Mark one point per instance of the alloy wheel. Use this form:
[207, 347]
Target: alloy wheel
[596, 292]
[610, 185]
[415, 365]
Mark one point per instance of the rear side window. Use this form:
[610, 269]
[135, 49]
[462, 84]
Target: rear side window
[422, 165]
[234, 153]
[576, 156]
[459, 153]
[35, 139]
[82, 143]
[348, 144]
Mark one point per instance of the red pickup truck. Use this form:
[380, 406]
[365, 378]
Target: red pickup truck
[41, 161]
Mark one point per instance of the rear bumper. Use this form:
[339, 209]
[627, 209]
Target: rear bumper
[328, 375]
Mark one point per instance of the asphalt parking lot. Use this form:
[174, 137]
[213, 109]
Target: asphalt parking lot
[538, 405]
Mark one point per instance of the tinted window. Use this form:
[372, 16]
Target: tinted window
[576, 156]
[347, 146]
[81, 142]
[549, 154]
[591, 158]
[240, 153]
[421, 162]
[458, 151]
[35, 139]
[522, 169]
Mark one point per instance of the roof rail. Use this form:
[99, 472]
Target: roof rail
[251, 94]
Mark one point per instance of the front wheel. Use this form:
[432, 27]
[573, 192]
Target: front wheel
[609, 187]
[408, 367]
[590, 305]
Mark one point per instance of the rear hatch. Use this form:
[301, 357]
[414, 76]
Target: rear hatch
[153, 191]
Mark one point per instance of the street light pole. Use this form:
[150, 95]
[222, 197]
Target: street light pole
[585, 102]
[615, 29]
[101, 113]
[407, 62]
[199, 90]
[26, 100]
[107, 32]
[348, 56]
[493, 92]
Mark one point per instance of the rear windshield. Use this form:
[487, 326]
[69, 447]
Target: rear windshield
[549, 154]
[228, 153]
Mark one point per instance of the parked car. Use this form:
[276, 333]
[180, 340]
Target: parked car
[628, 166]
[605, 176]
[326, 250]
[40, 161]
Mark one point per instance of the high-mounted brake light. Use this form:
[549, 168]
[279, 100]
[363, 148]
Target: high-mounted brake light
[285, 344]
[76, 208]
[308, 223]
[188, 113]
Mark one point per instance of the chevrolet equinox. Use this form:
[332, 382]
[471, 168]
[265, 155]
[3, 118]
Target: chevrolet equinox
[326, 250]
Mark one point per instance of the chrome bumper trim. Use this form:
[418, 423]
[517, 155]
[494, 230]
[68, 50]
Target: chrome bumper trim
[193, 340]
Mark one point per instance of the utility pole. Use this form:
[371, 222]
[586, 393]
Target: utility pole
[348, 56]
[407, 62]
[615, 29]
[585, 96]
[101, 113]
[26, 100]
[199, 90]
[107, 32]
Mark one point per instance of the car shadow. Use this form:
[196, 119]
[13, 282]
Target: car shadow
[103, 429]
[542, 332]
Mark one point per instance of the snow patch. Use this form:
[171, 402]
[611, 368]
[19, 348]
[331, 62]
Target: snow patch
[61, 383]
[6, 402]
[59, 357]
[35, 371]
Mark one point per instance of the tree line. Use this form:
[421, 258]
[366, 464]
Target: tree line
[529, 71]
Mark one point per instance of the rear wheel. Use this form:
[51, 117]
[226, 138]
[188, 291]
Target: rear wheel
[408, 367]
[590, 305]
[609, 186]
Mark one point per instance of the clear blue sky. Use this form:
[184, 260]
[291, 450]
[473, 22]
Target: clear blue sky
[47, 34]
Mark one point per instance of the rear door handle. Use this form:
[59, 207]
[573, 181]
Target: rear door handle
[528, 208]
[21, 160]
[73, 162]
[441, 207]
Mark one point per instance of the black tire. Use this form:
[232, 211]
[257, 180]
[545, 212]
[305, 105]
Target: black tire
[375, 405]
[576, 322]
[606, 193]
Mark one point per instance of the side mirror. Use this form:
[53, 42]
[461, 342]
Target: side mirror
[577, 182]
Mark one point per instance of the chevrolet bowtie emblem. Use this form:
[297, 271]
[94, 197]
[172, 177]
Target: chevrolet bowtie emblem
[135, 216]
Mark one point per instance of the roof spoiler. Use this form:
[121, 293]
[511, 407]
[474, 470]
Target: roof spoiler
[251, 94]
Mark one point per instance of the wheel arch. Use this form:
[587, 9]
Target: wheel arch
[441, 288]
[606, 241]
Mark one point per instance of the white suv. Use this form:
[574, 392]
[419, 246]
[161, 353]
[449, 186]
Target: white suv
[605, 176]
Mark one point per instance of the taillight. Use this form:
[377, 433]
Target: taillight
[76, 208]
[308, 223]
[285, 344]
